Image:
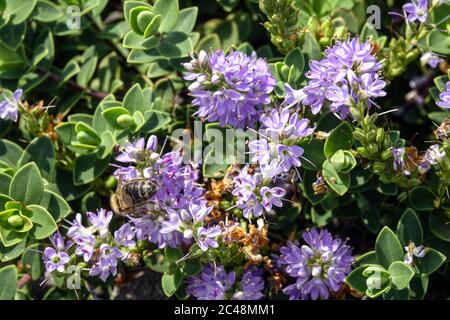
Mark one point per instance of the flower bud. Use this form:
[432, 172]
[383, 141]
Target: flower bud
[372, 148]
[86, 138]
[125, 120]
[386, 155]
[15, 221]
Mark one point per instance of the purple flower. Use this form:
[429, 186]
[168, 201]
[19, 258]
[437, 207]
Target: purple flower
[272, 197]
[293, 97]
[103, 270]
[77, 231]
[10, 109]
[229, 88]
[139, 151]
[346, 76]
[210, 284]
[109, 254]
[252, 208]
[251, 285]
[398, 155]
[281, 124]
[413, 251]
[85, 248]
[207, 237]
[319, 266]
[55, 260]
[125, 235]
[289, 156]
[431, 59]
[100, 221]
[416, 10]
[445, 97]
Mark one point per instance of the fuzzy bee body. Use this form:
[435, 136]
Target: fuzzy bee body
[131, 196]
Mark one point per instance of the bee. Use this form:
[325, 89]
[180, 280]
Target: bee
[131, 196]
[443, 131]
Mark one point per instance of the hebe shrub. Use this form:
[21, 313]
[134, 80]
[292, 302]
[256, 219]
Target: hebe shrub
[240, 149]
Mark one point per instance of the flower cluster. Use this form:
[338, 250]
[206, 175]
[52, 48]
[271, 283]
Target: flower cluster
[9, 109]
[94, 245]
[229, 88]
[274, 154]
[346, 77]
[175, 213]
[319, 267]
[215, 283]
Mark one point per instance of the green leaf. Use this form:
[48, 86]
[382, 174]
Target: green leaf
[5, 181]
[156, 120]
[172, 254]
[409, 228]
[366, 259]
[418, 287]
[32, 261]
[19, 10]
[390, 189]
[88, 167]
[8, 279]
[432, 260]
[46, 11]
[12, 35]
[439, 224]
[388, 248]
[112, 114]
[12, 252]
[27, 185]
[175, 45]
[56, 205]
[10, 153]
[171, 282]
[341, 138]
[156, 261]
[41, 152]
[134, 100]
[357, 280]
[70, 70]
[401, 274]
[186, 20]
[43, 223]
[422, 198]
[10, 237]
[295, 58]
[107, 144]
[209, 42]
[65, 186]
[169, 11]
[192, 267]
[439, 41]
[87, 71]
[337, 181]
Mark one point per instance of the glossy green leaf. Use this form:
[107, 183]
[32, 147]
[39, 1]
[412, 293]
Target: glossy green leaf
[388, 248]
[27, 185]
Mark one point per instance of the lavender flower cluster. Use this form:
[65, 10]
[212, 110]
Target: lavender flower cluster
[319, 267]
[178, 207]
[215, 283]
[346, 77]
[99, 251]
[229, 88]
[274, 154]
